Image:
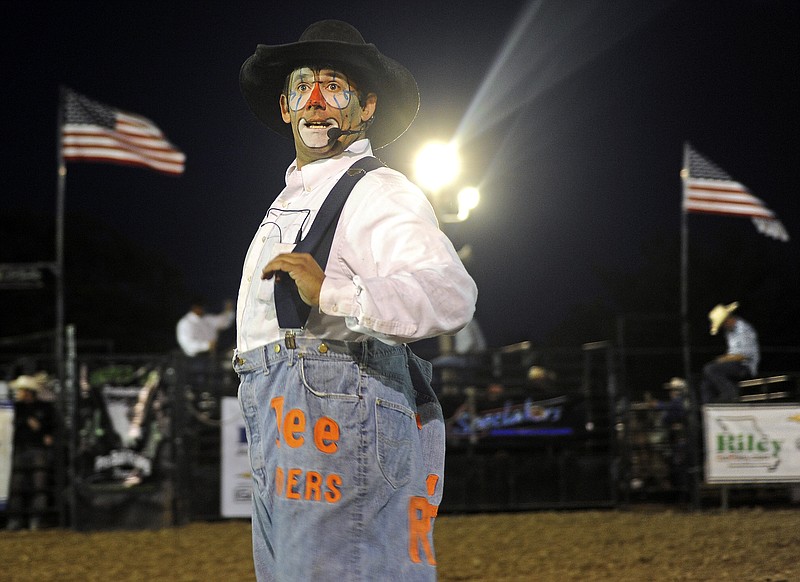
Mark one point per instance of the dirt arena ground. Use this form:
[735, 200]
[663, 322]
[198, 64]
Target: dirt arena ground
[741, 544]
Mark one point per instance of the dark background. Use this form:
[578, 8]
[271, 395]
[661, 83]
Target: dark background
[576, 143]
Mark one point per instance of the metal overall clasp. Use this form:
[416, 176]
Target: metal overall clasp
[289, 340]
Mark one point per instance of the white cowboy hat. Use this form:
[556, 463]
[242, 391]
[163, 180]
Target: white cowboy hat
[719, 314]
[676, 384]
[536, 373]
[36, 383]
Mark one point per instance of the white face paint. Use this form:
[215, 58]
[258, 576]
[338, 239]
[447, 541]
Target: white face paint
[318, 100]
[315, 135]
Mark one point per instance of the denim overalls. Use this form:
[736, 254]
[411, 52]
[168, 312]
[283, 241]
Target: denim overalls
[346, 445]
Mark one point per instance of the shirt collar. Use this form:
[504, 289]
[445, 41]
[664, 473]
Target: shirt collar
[317, 172]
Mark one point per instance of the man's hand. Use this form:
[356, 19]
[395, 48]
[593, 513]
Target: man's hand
[301, 267]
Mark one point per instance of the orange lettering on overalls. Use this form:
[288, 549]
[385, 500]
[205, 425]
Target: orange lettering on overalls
[292, 480]
[277, 405]
[313, 483]
[278, 482]
[333, 494]
[420, 523]
[326, 433]
[309, 485]
[293, 425]
[430, 483]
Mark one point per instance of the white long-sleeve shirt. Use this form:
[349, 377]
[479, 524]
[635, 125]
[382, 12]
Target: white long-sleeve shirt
[392, 274]
[195, 333]
[743, 340]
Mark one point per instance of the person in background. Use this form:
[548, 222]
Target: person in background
[722, 375]
[674, 421]
[675, 408]
[346, 437]
[456, 366]
[197, 331]
[32, 465]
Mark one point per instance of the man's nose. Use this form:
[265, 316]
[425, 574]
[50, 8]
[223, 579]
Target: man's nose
[316, 99]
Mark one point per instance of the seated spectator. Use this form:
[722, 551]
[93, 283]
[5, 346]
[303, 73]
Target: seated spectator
[722, 375]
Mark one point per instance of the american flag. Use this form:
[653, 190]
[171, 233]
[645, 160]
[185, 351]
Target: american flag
[93, 132]
[709, 190]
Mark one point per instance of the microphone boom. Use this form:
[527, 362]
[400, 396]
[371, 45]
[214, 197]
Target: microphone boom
[335, 133]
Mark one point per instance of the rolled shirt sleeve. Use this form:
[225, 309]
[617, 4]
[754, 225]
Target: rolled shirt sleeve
[222, 320]
[392, 273]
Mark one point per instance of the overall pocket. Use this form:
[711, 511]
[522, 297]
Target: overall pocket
[396, 432]
[330, 378]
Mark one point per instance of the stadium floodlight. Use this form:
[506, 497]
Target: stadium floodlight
[437, 165]
[468, 199]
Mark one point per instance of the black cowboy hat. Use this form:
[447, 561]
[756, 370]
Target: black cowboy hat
[335, 44]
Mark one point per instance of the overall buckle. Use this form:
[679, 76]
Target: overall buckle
[289, 340]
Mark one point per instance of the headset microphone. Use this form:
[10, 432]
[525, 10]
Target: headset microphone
[335, 133]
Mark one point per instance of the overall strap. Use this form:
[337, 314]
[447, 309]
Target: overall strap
[292, 311]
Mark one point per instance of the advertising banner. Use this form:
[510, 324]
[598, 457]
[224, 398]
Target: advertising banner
[121, 430]
[236, 482]
[516, 418]
[6, 449]
[752, 443]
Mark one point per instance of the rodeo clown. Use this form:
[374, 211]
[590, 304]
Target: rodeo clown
[345, 434]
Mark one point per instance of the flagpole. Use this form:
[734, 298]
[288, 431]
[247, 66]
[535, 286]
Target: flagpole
[695, 448]
[59, 266]
[65, 395]
[685, 268]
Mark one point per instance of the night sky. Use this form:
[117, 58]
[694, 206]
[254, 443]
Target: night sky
[577, 144]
